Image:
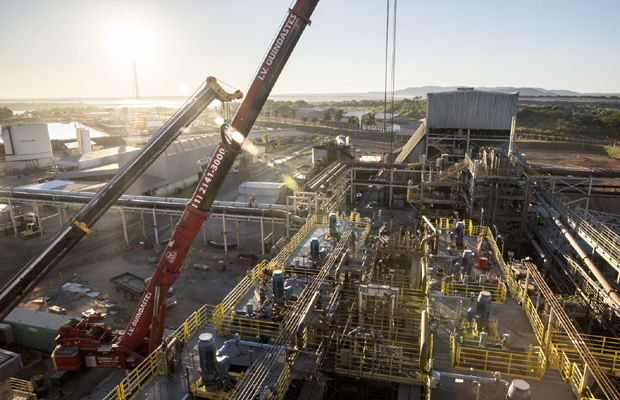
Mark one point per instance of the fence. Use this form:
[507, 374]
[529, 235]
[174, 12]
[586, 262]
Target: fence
[531, 364]
[20, 385]
[498, 292]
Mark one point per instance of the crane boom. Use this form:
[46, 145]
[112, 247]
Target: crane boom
[74, 230]
[152, 307]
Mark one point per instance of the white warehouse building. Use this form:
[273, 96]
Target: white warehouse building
[27, 147]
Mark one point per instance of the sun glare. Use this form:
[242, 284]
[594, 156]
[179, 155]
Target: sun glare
[128, 42]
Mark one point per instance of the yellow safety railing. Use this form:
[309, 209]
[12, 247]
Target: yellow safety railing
[148, 368]
[221, 315]
[20, 385]
[498, 293]
[537, 325]
[528, 365]
[366, 232]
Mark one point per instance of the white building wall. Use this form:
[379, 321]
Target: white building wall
[27, 146]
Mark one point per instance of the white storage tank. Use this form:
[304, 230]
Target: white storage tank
[27, 146]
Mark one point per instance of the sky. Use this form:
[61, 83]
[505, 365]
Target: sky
[76, 48]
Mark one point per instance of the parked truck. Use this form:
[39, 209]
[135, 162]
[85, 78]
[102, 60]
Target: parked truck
[132, 287]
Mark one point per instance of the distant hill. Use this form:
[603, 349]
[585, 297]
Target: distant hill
[523, 91]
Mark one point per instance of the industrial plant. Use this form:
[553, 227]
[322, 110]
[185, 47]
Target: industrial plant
[183, 264]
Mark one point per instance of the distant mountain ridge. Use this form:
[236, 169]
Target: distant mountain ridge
[523, 91]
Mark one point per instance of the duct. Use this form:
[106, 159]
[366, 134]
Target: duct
[610, 290]
[539, 251]
[162, 203]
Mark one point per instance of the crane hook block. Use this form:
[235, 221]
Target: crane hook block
[82, 226]
[223, 95]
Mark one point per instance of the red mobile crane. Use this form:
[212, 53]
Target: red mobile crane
[97, 344]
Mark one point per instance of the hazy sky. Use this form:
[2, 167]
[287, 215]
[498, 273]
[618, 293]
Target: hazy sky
[77, 48]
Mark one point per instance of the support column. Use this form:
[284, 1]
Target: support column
[142, 224]
[524, 297]
[549, 327]
[124, 226]
[391, 186]
[238, 233]
[155, 228]
[224, 232]
[60, 216]
[171, 224]
[467, 145]
[588, 198]
[288, 220]
[352, 186]
[36, 212]
[273, 232]
[12, 214]
[262, 235]
[204, 232]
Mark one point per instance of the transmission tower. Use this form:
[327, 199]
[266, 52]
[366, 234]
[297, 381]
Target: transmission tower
[134, 81]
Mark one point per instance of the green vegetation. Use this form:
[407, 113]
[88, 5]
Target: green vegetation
[5, 113]
[412, 108]
[571, 121]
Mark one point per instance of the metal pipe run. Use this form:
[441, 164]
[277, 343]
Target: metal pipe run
[472, 378]
[160, 203]
[610, 290]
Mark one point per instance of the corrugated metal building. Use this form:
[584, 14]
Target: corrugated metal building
[461, 122]
[35, 329]
[471, 109]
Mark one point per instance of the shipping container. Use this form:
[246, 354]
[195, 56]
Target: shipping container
[10, 364]
[35, 329]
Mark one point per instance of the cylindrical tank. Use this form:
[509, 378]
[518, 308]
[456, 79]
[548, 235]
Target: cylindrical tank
[483, 339]
[333, 220]
[519, 390]
[27, 146]
[485, 297]
[398, 200]
[314, 248]
[208, 362]
[483, 308]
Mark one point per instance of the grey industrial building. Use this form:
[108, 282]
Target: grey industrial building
[462, 121]
[176, 168]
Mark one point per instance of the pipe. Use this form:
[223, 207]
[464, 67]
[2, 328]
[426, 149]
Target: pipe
[433, 236]
[480, 379]
[22, 192]
[429, 223]
[539, 251]
[424, 341]
[445, 296]
[445, 257]
[162, 203]
[610, 290]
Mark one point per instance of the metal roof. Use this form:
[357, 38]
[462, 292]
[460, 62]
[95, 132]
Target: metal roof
[471, 109]
[33, 318]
